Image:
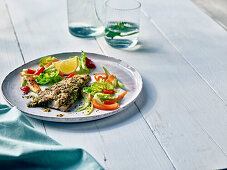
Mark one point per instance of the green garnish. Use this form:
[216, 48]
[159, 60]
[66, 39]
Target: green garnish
[120, 29]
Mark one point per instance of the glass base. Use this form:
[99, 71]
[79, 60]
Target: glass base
[121, 43]
[86, 32]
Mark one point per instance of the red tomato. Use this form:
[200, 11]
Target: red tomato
[30, 71]
[39, 71]
[25, 89]
[91, 66]
[71, 75]
[107, 91]
[89, 63]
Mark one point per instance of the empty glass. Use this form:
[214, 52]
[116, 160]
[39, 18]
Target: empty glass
[122, 23]
[85, 17]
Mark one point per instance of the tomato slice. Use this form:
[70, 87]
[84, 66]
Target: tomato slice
[107, 91]
[71, 75]
[100, 75]
[101, 106]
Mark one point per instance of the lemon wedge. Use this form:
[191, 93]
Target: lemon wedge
[57, 64]
[67, 66]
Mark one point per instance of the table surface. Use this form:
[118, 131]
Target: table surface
[180, 119]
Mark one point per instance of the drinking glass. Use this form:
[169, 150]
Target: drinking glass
[85, 17]
[122, 23]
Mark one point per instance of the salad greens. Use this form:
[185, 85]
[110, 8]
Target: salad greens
[49, 75]
[97, 87]
[87, 102]
[101, 97]
[88, 106]
[120, 28]
[99, 90]
[82, 67]
[116, 81]
[46, 59]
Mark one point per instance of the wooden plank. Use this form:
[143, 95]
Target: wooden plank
[208, 39]
[10, 53]
[202, 43]
[216, 9]
[123, 140]
[177, 104]
[44, 31]
[98, 138]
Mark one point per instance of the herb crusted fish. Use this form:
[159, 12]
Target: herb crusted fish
[62, 94]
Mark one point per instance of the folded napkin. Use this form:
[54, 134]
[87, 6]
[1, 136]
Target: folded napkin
[23, 147]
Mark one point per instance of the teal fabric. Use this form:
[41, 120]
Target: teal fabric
[23, 147]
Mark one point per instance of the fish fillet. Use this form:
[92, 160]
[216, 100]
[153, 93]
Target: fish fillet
[62, 94]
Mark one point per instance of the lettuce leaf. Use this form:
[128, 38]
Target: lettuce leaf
[46, 59]
[82, 67]
[50, 75]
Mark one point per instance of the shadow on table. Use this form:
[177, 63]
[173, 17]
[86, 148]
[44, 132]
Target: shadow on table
[133, 113]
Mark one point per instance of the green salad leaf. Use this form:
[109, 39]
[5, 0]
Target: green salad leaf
[87, 102]
[116, 82]
[97, 87]
[46, 59]
[101, 97]
[50, 75]
[82, 67]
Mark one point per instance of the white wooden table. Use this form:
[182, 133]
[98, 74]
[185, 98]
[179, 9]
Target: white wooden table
[179, 121]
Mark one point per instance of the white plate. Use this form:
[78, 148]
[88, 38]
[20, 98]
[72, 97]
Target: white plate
[124, 72]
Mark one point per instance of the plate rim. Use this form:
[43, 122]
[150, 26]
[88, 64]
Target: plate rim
[76, 119]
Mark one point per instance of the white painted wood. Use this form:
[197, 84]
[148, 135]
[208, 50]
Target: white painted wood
[123, 140]
[10, 56]
[201, 41]
[216, 9]
[187, 117]
[203, 44]
[41, 31]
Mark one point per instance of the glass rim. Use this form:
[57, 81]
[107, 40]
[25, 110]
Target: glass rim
[127, 9]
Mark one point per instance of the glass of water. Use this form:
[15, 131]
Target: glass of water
[122, 23]
[85, 17]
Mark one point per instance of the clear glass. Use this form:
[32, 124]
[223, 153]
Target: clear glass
[85, 17]
[122, 23]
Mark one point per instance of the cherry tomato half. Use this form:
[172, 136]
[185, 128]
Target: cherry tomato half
[25, 89]
[89, 63]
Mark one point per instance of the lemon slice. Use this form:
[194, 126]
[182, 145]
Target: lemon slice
[67, 66]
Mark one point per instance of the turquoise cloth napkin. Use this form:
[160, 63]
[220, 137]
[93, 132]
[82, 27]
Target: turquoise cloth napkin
[23, 147]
